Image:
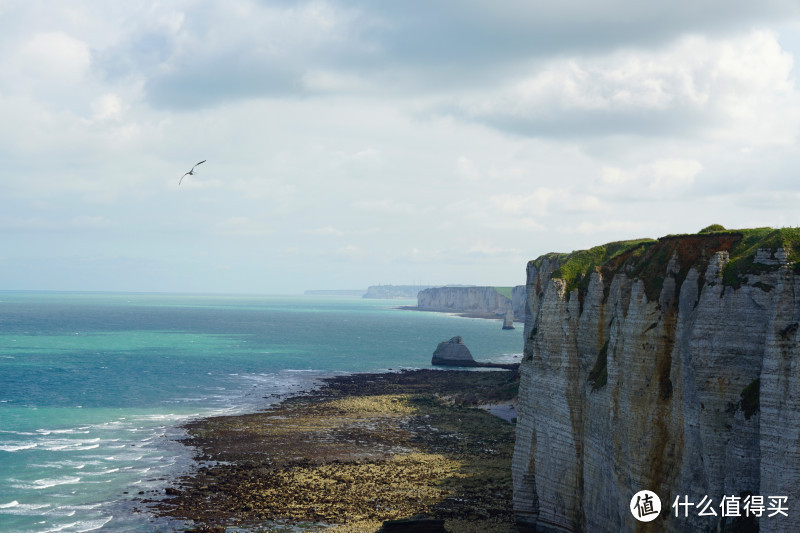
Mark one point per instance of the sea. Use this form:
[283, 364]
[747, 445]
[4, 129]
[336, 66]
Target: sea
[94, 387]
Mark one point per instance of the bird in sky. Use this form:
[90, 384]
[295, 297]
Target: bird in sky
[191, 172]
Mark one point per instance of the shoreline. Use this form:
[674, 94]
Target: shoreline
[462, 314]
[357, 451]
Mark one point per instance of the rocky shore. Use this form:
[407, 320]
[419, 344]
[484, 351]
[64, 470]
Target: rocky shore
[359, 451]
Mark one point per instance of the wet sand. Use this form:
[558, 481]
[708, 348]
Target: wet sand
[358, 451]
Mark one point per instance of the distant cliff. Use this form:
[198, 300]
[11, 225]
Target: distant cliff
[668, 365]
[394, 291]
[483, 300]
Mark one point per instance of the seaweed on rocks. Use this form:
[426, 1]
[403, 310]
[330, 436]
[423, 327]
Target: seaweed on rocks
[359, 451]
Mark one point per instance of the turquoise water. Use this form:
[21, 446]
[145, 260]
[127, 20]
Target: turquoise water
[93, 387]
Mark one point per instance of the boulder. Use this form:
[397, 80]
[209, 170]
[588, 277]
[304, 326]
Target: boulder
[453, 353]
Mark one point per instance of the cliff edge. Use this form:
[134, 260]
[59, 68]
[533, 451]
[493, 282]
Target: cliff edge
[669, 365]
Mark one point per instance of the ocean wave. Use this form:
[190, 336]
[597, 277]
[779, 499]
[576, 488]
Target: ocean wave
[170, 417]
[124, 457]
[70, 431]
[56, 445]
[85, 507]
[45, 483]
[91, 525]
[5, 447]
[102, 472]
[27, 433]
[16, 508]
[81, 526]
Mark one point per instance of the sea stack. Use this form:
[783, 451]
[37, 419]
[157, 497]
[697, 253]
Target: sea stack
[508, 321]
[452, 353]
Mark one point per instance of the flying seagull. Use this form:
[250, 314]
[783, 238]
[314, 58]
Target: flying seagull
[191, 172]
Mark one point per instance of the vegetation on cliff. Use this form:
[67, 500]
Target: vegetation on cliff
[575, 267]
[504, 291]
[648, 259]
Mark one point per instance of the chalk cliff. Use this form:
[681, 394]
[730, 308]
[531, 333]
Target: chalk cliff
[667, 365]
[394, 291]
[474, 300]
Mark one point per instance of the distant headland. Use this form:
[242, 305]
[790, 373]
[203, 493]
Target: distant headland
[381, 292]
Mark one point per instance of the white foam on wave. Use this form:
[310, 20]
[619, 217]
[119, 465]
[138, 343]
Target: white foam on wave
[103, 472]
[127, 457]
[62, 527]
[91, 525]
[22, 509]
[46, 483]
[57, 445]
[169, 417]
[6, 447]
[85, 507]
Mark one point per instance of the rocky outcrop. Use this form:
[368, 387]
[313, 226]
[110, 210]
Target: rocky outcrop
[508, 320]
[452, 353]
[669, 365]
[481, 300]
[455, 353]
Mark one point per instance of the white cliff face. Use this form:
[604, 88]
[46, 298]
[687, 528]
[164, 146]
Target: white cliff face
[671, 410]
[472, 299]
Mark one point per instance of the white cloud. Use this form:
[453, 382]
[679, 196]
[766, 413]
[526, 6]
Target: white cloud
[106, 107]
[489, 249]
[545, 201]
[53, 57]
[467, 168]
[620, 226]
[658, 175]
[329, 81]
[736, 88]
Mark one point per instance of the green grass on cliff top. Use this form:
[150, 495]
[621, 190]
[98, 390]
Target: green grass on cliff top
[574, 266]
[504, 291]
[648, 258]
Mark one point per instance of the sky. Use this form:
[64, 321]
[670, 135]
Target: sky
[355, 143]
